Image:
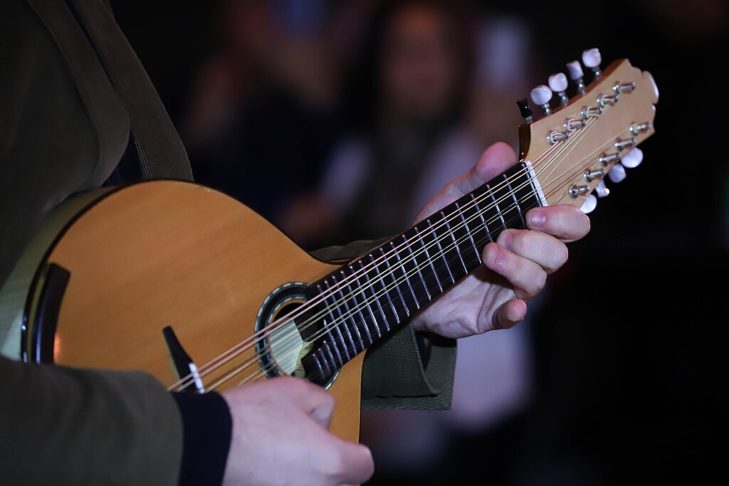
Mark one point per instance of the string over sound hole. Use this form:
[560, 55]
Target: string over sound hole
[289, 332]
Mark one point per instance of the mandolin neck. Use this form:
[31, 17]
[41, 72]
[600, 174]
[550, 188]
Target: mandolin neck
[368, 298]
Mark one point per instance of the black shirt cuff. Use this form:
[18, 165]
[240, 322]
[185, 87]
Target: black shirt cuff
[206, 431]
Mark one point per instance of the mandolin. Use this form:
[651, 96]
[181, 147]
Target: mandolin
[124, 278]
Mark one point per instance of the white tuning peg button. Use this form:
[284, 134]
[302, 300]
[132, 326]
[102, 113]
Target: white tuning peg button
[591, 58]
[574, 69]
[617, 173]
[558, 84]
[632, 159]
[541, 96]
[602, 190]
[589, 205]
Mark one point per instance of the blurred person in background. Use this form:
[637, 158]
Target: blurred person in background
[264, 98]
[406, 94]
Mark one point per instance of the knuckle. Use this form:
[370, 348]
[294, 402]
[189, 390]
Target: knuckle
[327, 401]
[491, 255]
[540, 280]
[521, 243]
[563, 254]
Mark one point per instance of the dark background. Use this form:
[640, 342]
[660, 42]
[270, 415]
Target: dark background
[630, 346]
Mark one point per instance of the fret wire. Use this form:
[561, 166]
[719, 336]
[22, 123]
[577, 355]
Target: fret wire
[391, 273]
[476, 252]
[497, 209]
[516, 202]
[387, 292]
[480, 214]
[321, 362]
[368, 306]
[429, 259]
[457, 247]
[342, 340]
[318, 363]
[533, 182]
[440, 250]
[351, 314]
[328, 349]
[328, 308]
[342, 319]
[406, 278]
[336, 308]
[375, 299]
[418, 270]
[348, 322]
[359, 306]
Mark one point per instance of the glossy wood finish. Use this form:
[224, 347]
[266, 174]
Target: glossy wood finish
[173, 253]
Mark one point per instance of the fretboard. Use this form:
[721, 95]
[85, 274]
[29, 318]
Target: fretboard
[367, 299]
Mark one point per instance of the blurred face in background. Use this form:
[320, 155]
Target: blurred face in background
[418, 69]
[250, 30]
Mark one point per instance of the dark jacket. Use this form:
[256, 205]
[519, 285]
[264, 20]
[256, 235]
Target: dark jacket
[63, 128]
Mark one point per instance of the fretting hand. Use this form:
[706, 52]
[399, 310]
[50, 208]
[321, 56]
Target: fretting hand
[515, 267]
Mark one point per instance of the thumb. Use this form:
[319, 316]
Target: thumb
[493, 161]
[358, 463]
[509, 313]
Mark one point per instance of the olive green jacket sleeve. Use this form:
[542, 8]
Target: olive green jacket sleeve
[67, 427]
[398, 371]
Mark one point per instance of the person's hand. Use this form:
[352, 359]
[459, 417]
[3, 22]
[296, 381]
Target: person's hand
[515, 267]
[280, 436]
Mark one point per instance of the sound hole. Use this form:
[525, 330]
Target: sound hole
[286, 342]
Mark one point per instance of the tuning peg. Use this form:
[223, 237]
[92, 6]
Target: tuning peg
[592, 58]
[589, 204]
[632, 159]
[574, 69]
[541, 96]
[558, 84]
[602, 190]
[617, 173]
[526, 113]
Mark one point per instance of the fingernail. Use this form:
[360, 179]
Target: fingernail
[536, 218]
[504, 239]
[491, 255]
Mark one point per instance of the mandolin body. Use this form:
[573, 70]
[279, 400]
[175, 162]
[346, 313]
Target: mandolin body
[156, 254]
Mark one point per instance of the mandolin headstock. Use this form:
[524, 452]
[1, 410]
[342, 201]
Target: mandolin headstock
[593, 135]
